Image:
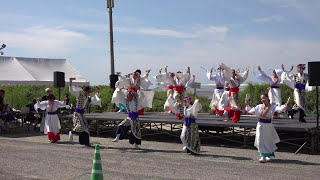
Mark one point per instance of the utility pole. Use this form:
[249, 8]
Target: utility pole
[113, 77]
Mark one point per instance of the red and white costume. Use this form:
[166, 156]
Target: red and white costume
[217, 94]
[234, 83]
[52, 123]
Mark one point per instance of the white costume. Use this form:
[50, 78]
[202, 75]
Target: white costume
[145, 98]
[234, 83]
[266, 135]
[164, 80]
[224, 101]
[217, 94]
[300, 84]
[52, 122]
[181, 85]
[274, 92]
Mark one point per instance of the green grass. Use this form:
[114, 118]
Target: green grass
[20, 96]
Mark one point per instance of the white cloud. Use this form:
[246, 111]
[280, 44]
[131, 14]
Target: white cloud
[41, 40]
[273, 18]
[197, 32]
[237, 53]
[282, 3]
[309, 9]
[155, 32]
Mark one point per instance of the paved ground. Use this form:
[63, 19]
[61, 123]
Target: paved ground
[30, 156]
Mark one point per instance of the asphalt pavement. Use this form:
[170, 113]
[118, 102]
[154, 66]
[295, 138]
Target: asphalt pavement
[30, 156]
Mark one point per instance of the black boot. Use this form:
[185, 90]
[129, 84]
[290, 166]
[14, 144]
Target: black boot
[291, 113]
[302, 115]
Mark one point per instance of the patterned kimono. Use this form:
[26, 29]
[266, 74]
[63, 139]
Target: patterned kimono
[190, 131]
[80, 124]
[274, 92]
[234, 110]
[266, 135]
[217, 94]
[300, 85]
[131, 122]
[52, 123]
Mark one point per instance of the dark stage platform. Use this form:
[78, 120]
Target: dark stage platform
[285, 124]
[247, 123]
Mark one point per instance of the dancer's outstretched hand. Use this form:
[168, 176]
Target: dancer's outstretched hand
[291, 69]
[97, 88]
[188, 70]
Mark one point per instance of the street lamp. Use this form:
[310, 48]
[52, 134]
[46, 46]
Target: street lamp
[113, 77]
[2, 47]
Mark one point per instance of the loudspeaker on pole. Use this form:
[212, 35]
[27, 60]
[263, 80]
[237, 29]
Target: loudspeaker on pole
[58, 79]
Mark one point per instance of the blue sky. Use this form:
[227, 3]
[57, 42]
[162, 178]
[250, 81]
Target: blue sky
[151, 34]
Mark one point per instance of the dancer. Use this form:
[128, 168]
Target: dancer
[44, 113]
[224, 101]
[234, 79]
[134, 84]
[52, 123]
[181, 82]
[274, 92]
[190, 131]
[266, 135]
[217, 94]
[138, 82]
[166, 80]
[130, 98]
[80, 124]
[299, 82]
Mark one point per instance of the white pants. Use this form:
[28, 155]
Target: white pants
[183, 135]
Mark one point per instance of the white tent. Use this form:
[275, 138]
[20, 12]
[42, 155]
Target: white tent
[36, 71]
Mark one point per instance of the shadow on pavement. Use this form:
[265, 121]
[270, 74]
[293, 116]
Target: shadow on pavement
[223, 156]
[142, 150]
[288, 161]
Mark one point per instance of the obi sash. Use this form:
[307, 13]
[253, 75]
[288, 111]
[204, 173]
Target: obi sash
[219, 87]
[179, 88]
[133, 89]
[81, 111]
[264, 120]
[235, 90]
[133, 115]
[52, 113]
[227, 89]
[300, 87]
[275, 86]
[170, 87]
[188, 121]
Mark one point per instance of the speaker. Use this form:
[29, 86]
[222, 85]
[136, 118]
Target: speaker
[58, 79]
[314, 73]
[113, 79]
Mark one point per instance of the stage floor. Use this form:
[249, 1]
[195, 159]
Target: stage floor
[246, 121]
